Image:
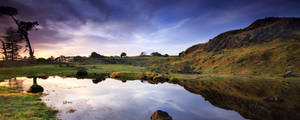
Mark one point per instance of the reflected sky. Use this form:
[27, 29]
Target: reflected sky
[133, 100]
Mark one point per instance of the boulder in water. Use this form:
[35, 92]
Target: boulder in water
[36, 89]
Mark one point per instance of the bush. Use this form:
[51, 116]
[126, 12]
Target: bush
[116, 75]
[173, 80]
[160, 78]
[82, 73]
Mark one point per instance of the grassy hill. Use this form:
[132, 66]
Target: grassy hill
[269, 46]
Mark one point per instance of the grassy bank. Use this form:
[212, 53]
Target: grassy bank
[38, 70]
[49, 70]
[18, 106]
[15, 105]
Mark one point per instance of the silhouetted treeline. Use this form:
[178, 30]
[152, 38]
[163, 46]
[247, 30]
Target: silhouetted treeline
[14, 37]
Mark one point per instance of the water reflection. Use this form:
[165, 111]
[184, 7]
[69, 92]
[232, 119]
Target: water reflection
[117, 99]
[35, 88]
[255, 99]
[112, 99]
[13, 82]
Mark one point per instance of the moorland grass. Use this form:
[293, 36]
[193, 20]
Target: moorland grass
[15, 105]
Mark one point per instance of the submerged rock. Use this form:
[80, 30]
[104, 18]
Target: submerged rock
[160, 115]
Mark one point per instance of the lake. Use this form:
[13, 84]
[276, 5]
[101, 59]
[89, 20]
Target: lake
[85, 99]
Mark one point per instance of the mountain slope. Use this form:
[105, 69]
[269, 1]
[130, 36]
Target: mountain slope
[267, 46]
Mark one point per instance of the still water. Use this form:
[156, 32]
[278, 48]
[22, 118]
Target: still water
[84, 99]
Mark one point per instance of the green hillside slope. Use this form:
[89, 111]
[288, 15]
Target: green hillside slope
[267, 46]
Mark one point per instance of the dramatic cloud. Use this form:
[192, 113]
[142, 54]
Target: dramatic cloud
[79, 27]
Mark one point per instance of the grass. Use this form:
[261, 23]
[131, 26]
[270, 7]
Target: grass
[18, 106]
[37, 70]
[109, 68]
[15, 105]
[49, 70]
[267, 59]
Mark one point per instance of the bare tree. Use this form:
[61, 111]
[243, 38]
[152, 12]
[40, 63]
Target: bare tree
[23, 26]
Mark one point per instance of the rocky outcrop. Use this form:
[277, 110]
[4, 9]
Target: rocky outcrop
[262, 30]
[160, 115]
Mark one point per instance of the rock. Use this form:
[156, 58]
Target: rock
[36, 89]
[273, 99]
[98, 78]
[289, 74]
[160, 115]
[96, 81]
[81, 73]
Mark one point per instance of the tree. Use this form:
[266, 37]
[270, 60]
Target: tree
[166, 55]
[123, 54]
[96, 55]
[156, 54]
[79, 59]
[23, 26]
[11, 43]
[4, 50]
[143, 54]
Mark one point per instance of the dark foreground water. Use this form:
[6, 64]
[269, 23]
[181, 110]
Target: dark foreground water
[84, 99]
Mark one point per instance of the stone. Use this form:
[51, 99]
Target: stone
[36, 89]
[160, 115]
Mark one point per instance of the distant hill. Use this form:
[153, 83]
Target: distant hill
[260, 31]
[267, 46]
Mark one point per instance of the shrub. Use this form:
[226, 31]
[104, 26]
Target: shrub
[173, 80]
[116, 75]
[81, 73]
[160, 78]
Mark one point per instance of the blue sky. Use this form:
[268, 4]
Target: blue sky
[109, 27]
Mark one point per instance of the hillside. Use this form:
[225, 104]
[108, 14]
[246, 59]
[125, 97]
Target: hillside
[267, 46]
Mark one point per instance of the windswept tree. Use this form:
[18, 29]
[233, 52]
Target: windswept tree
[123, 54]
[11, 44]
[23, 26]
[143, 54]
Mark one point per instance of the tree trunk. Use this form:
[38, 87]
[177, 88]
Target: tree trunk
[12, 51]
[4, 50]
[29, 46]
[25, 34]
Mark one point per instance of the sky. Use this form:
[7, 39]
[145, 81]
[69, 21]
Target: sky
[109, 27]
